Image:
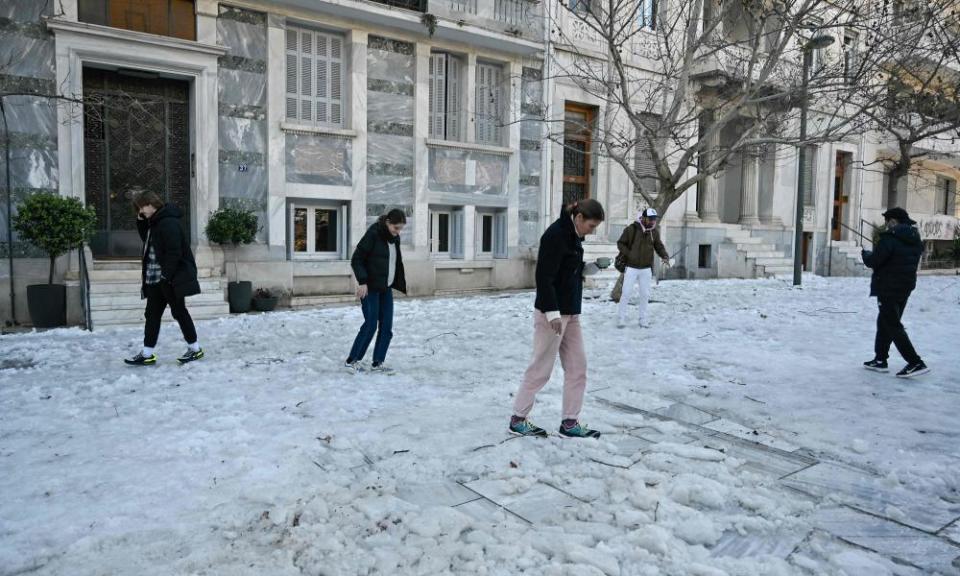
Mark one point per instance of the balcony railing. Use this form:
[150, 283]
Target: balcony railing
[415, 5]
[515, 17]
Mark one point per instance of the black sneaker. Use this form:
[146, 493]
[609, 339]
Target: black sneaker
[578, 431]
[911, 370]
[190, 356]
[877, 365]
[141, 360]
[526, 428]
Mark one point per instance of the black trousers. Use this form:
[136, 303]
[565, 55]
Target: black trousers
[891, 330]
[159, 296]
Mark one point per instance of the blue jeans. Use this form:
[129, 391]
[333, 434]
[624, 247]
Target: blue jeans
[377, 312]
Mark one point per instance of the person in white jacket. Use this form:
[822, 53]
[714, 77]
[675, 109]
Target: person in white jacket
[638, 244]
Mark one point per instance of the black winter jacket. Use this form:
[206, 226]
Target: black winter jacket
[894, 261]
[371, 260]
[559, 272]
[172, 248]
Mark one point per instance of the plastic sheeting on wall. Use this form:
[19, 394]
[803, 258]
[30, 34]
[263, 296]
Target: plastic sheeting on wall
[319, 159]
[468, 172]
[531, 163]
[242, 98]
[391, 75]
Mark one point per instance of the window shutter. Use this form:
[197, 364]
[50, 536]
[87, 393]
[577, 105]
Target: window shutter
[293, 93]
[438, 94]
[489, 103]
[453, 98]
[456, 234]
[952, 197]
[306, 76]
[809, 176]
[336, 80]
[500, 235]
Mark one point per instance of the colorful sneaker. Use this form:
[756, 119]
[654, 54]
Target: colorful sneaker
[526, 428]
[877, 365]
[141, 360]
[379, 368]
[911, 370]
[578, 431]
[190, 356]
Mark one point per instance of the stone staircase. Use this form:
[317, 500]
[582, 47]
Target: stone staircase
[753, 256]
[115, 294]
[846, 260]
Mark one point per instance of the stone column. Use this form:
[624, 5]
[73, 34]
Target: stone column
[357, 121]
[421, 166]
[749, 200]
[710, 186]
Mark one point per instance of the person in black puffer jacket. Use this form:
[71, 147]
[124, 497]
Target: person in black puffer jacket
[556, 321]
[894, 261]
[169, 275]
[378, 267]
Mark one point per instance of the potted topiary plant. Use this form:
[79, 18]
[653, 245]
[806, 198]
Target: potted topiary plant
[264, 300]
[234, 226]
[55, 224]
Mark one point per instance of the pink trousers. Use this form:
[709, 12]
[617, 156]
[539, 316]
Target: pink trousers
[573, 358]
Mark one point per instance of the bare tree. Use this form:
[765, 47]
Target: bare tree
[690, 85]
[910, 99]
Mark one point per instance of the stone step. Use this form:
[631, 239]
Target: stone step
[123, 317]
[774, 261]
[132, 264]
[299, 302]
[134, 274]
[103, 302]
[778, 269]
[764, 254]
[124, 287]
[746, 239]
[757, 247]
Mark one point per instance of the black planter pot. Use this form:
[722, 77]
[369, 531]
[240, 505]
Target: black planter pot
[239, 295]
[265, 304]
[47, 304]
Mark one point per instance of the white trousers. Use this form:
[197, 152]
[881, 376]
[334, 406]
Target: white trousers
[641, 277]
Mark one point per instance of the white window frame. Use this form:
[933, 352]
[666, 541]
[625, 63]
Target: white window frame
[945, 197]
[498, 230]
[447, 75]
[489, 104]
[314, 105]
[455, 240]
[850, 54]
[343, 227]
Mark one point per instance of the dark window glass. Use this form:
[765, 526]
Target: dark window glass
[325, 231]
[300, 230]
[444, 226]
[487, 233]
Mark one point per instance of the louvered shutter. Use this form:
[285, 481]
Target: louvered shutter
[453, 98]
[292, 91]
[456, 234]
[500, 235]
[323, 78]
[438, 94]
[810, 174]
[336, 80]
[489, 103]
[306, 76]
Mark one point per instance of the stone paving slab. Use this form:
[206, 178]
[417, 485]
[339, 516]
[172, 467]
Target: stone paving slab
[890, 539]
[952, 532]
[859, 489]
[735, 545]
[445, 493]
[751, 434]
[539, 504]
[687, 413]
[756, 457]
[486, 512]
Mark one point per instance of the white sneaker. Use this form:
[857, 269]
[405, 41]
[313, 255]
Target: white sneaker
[353, 367]
[382, 369]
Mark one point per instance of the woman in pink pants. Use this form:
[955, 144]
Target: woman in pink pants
[556, 321]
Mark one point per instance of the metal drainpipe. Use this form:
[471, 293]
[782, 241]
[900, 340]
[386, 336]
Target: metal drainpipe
[6, 152]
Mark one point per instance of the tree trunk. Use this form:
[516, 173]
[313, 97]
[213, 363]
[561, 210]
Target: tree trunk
[53, 263]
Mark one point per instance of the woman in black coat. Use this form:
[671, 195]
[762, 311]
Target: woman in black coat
[169, 275]
[378, 267]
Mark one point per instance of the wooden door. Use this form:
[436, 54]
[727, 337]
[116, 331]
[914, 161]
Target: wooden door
[577, 159]
[840, 196]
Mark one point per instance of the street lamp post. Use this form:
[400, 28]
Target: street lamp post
[815, 43]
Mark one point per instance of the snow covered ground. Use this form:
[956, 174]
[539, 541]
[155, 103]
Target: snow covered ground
[742, 436]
